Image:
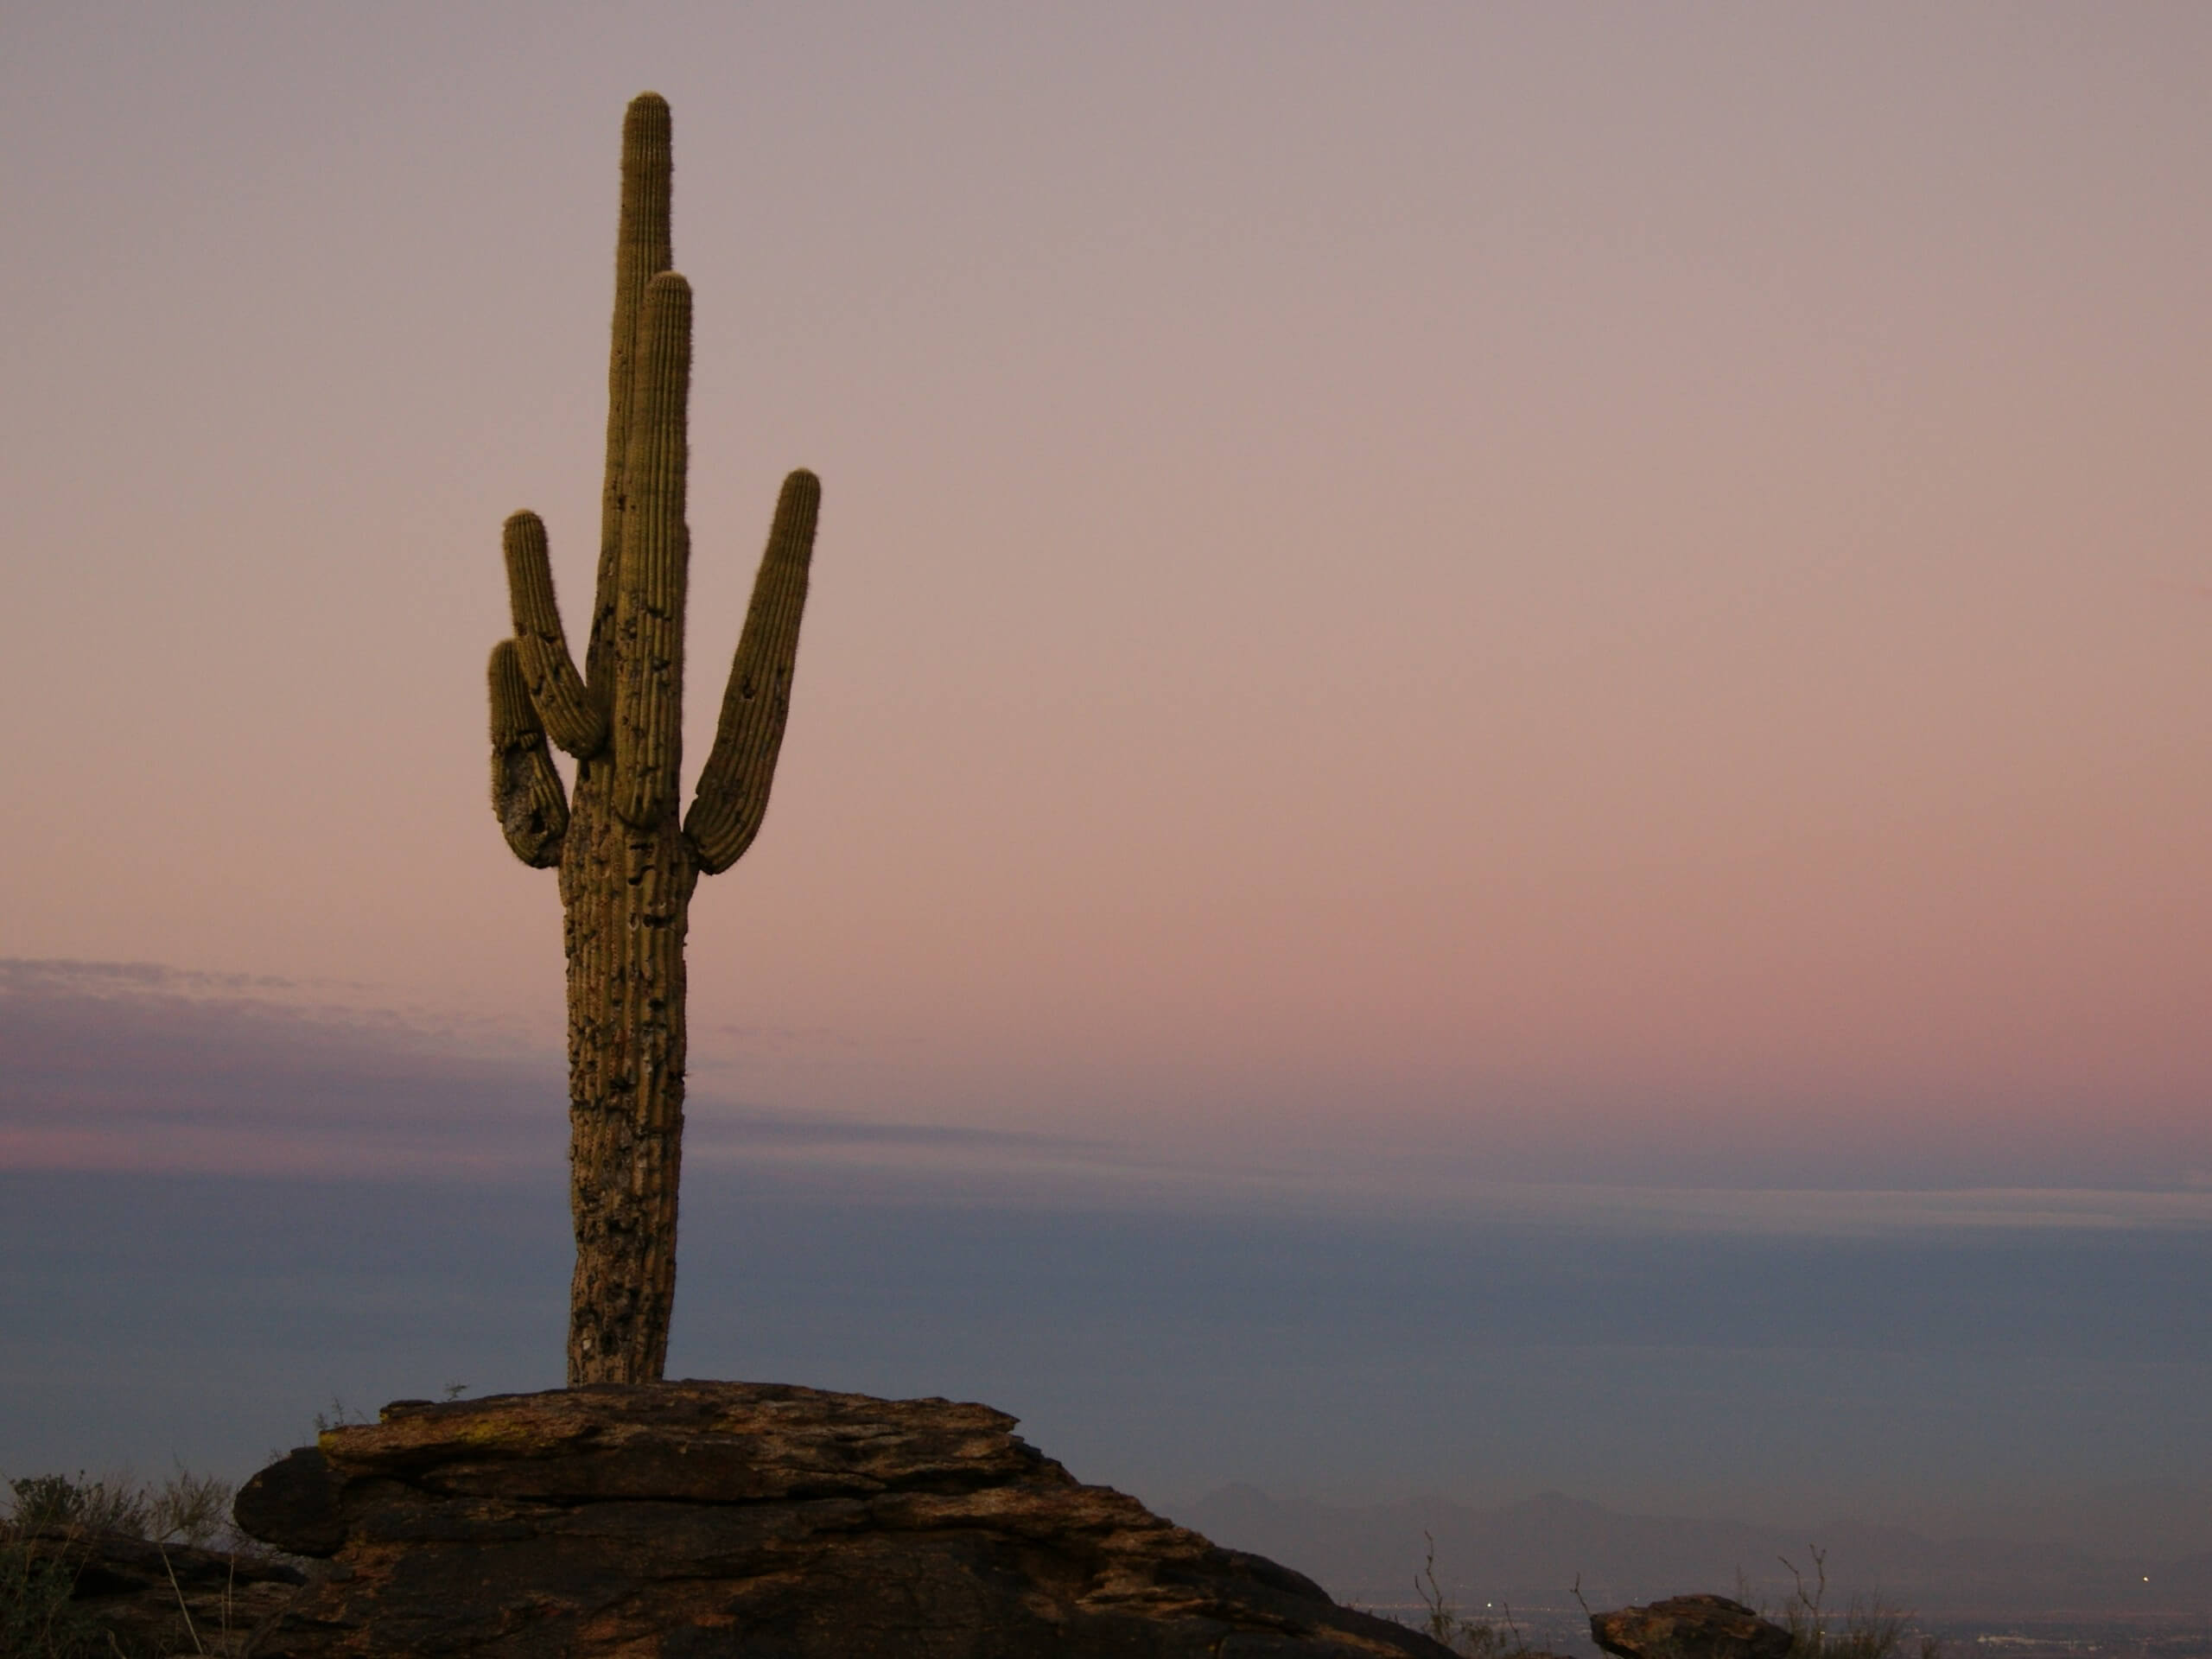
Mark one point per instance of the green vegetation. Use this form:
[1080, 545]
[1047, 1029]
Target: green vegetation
[47, 1537]
[627, 866]
[80, 1505]
[183, 1508]
[37, 1620]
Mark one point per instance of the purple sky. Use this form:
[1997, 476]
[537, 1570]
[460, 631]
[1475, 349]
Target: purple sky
[229, 1202]
[1500, 768]
[1459, 576]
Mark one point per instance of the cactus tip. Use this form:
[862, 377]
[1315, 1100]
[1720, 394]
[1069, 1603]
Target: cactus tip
[801, 495]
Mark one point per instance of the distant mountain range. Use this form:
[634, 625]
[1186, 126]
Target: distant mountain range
[1530, 1554]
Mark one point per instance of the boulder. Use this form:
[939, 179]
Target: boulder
[1689, 1627]
[683, 1520]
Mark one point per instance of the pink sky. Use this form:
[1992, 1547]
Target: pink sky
[1384, 572]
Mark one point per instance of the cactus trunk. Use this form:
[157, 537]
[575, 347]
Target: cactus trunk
[625, 894]
[627, 862]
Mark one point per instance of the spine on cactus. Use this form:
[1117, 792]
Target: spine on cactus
[733, 797]
[642, 251]
[656, 555]
[627, 867]
[573, 717]
[526, 792]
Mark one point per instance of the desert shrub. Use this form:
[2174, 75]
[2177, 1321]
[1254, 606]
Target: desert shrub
[1868, 1630]
[185, 1508]
[38, 1619]
[111, 1504]
[191, 1509]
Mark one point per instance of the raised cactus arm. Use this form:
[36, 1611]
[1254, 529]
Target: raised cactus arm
[733, 796]
[629, 858]
[656, 553]
[642, 251]
[526, 792]
[572, 716]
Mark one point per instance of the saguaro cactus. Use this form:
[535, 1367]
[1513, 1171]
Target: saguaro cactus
[627, 865]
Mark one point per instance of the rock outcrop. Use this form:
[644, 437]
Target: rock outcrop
[1689, 1627]
[682, 1520]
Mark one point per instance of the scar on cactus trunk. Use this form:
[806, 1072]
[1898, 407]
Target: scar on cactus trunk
[627, 865]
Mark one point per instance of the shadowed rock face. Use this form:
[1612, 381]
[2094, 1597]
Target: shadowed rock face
[145, 1598]
[678, 1520]
[1689, 1627]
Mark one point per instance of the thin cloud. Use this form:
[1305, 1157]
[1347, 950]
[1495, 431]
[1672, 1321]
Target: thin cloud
[141, 1067]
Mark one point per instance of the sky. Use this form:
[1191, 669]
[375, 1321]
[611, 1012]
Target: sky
[1587, 618]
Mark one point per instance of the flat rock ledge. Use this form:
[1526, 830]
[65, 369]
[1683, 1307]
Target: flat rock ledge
[685, 1520]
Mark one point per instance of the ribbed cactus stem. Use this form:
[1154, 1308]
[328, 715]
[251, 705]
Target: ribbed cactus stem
[625, 898]
[526, 792]
[572, 715]
[656, 559]
[628, 868]
[642, 251]
[733, 797]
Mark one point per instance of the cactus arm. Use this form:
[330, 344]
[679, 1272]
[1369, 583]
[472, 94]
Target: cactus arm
[572, 718]
[642, 251]
[733, 796]
[656, 551]
[526, 792]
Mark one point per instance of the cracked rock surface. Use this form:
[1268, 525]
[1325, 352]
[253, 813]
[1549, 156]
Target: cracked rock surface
[683, 1520]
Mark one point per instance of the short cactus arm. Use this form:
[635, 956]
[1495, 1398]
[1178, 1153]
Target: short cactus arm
[526, 792]
[733, 796]
[573, 718]
[642, 251]
[648, 651]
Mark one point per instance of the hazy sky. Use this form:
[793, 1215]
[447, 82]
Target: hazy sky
[1411, 597]
[1443, 563]
[272, 1205]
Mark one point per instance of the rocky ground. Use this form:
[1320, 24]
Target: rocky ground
[677, 1521]
[776, 1523]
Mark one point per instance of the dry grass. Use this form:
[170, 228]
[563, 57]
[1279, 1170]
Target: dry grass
[1499, 1639]
[1868, 1630]
[51, 1530]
